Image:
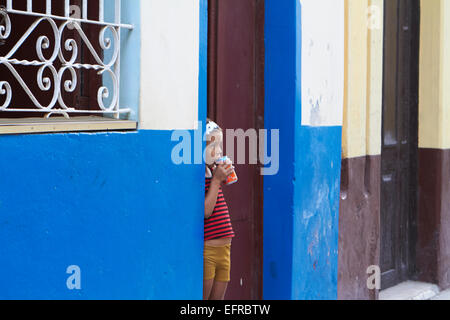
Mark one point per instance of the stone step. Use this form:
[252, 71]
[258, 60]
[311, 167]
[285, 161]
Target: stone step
[410, 290]
[444, 295]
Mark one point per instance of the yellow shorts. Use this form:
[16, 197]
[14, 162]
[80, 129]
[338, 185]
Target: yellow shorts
[217, 263]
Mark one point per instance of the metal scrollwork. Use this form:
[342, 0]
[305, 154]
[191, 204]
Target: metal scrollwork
[51, 51]
[5, 24]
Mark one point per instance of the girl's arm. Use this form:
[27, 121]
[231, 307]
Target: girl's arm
[211, 197]
[220, 174]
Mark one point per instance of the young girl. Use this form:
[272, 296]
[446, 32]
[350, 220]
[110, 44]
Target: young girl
[218, 230]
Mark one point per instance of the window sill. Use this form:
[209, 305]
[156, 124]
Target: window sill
[62, 125]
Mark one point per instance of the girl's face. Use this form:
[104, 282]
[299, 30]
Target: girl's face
[214, 149]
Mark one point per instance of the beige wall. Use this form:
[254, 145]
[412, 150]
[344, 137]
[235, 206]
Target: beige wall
[434, 86]
[169, 64]
[363, 78]
[322, 61]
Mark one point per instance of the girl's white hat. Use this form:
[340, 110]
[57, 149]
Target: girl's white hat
[211, 126]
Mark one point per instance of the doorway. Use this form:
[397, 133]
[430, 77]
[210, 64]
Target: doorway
[399, 154]
[236, 101]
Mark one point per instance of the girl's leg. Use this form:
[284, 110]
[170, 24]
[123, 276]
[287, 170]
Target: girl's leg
[218, 290]
[207, 287]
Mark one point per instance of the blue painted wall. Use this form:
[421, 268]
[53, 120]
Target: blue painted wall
[116, 206]
[301, 203]
[279, 114]
[111, 203]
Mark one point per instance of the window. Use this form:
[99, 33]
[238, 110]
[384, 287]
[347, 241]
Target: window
[60, 66]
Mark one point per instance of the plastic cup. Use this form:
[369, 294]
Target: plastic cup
[232, 178]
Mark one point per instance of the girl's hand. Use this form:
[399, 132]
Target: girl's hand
[221, 174]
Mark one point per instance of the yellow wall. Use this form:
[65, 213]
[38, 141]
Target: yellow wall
[434, 86]
[445, 131]
[363, 78]
[430, 93]
[375, 83]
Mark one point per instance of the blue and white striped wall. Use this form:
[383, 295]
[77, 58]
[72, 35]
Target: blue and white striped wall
[304, 79]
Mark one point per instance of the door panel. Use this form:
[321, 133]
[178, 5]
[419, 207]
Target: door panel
[235, 101]
[399, 141]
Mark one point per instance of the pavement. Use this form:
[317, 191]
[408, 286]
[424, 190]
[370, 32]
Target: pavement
[444, 295]
[413, 290]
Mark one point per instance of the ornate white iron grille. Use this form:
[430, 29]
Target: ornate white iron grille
[56, 61]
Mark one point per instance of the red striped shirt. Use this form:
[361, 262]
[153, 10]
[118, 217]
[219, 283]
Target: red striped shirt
[218, 225]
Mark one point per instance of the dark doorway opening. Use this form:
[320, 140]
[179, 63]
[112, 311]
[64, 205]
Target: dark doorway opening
[236, 101]
[399, 157]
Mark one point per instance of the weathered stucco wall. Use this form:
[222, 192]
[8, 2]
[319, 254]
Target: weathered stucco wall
[359, 221]
[301, 203]
[433, 250]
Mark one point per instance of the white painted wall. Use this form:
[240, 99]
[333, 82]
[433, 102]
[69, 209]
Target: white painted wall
[322, 62]
[169, 64]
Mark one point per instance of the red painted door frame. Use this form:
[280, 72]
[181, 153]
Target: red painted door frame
[236, 101]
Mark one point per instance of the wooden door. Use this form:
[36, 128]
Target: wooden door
[399, 141]
[236, 101]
